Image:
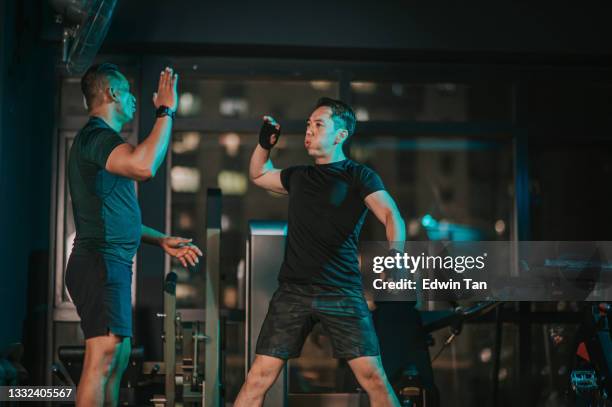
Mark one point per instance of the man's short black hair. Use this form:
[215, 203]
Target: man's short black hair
[342, 114]
[96, 79]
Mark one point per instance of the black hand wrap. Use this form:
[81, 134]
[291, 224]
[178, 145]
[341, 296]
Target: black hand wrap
[265, 134]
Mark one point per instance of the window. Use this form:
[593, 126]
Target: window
[251, 99]
[431, 102]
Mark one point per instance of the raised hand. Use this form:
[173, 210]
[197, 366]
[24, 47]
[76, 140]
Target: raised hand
[166, 94]
[269, 133]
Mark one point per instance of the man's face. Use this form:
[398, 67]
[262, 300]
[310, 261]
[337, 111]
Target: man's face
[321, 132]
[125, 102]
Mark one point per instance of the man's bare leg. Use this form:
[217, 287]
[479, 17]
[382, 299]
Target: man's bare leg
[100, 353]
[120, 363]
[260, 378]
[371, 376]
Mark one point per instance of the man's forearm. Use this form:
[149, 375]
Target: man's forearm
[152, 151]
[396, 235]
[395, 229]
[260, 162]
[150, 235]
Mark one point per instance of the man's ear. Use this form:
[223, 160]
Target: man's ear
[112, 94]
[341, 135]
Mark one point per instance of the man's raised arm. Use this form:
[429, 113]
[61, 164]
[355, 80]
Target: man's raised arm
[142, 162]
[261, 170]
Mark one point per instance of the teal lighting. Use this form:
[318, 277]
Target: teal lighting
[428, 221]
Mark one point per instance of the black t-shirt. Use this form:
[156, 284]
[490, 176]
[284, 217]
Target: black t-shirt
[106, 212]
[326, 213]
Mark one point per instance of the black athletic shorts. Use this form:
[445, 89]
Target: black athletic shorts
[101, 289]
[295, 308]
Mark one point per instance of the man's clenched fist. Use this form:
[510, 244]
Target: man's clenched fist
[269, 133]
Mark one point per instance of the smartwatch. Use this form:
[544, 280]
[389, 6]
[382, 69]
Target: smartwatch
[165, 111]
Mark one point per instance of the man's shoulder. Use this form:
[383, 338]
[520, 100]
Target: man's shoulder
[358, 169]
[296, 169]
[94, 132]
[95, 127]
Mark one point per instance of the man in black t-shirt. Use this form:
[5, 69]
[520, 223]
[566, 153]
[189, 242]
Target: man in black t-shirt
[319, 280]
[102, 170]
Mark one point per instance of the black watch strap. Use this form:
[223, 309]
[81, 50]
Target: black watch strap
[165, 111]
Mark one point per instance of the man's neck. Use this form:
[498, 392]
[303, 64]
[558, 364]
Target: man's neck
[333, 157]
[109, 118]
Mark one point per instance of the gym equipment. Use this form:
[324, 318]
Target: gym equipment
[213, 388]
[181, 333]
[265, 248]
[410, 386]
[590, 379]
[186, 330]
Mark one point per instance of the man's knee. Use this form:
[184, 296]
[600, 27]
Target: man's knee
[375, 379]
[371, 375]
[260, 379]
[101, 355]
[262, 375]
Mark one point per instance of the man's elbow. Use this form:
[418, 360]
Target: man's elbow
[142, 174]
[393, 217]
[138, 168]
[255, 176]
[256, 181]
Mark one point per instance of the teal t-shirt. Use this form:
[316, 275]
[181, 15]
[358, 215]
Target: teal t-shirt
[106, 212]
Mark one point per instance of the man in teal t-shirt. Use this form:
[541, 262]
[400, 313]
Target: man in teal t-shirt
[102, 171]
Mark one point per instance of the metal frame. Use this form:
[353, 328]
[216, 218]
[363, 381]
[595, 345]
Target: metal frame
[170, 323]
[520, 232]
[62, 310]
[213, 392]
[3, 47]
[262, 288]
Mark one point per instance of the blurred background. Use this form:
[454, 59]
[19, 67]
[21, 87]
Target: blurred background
[487, 122]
